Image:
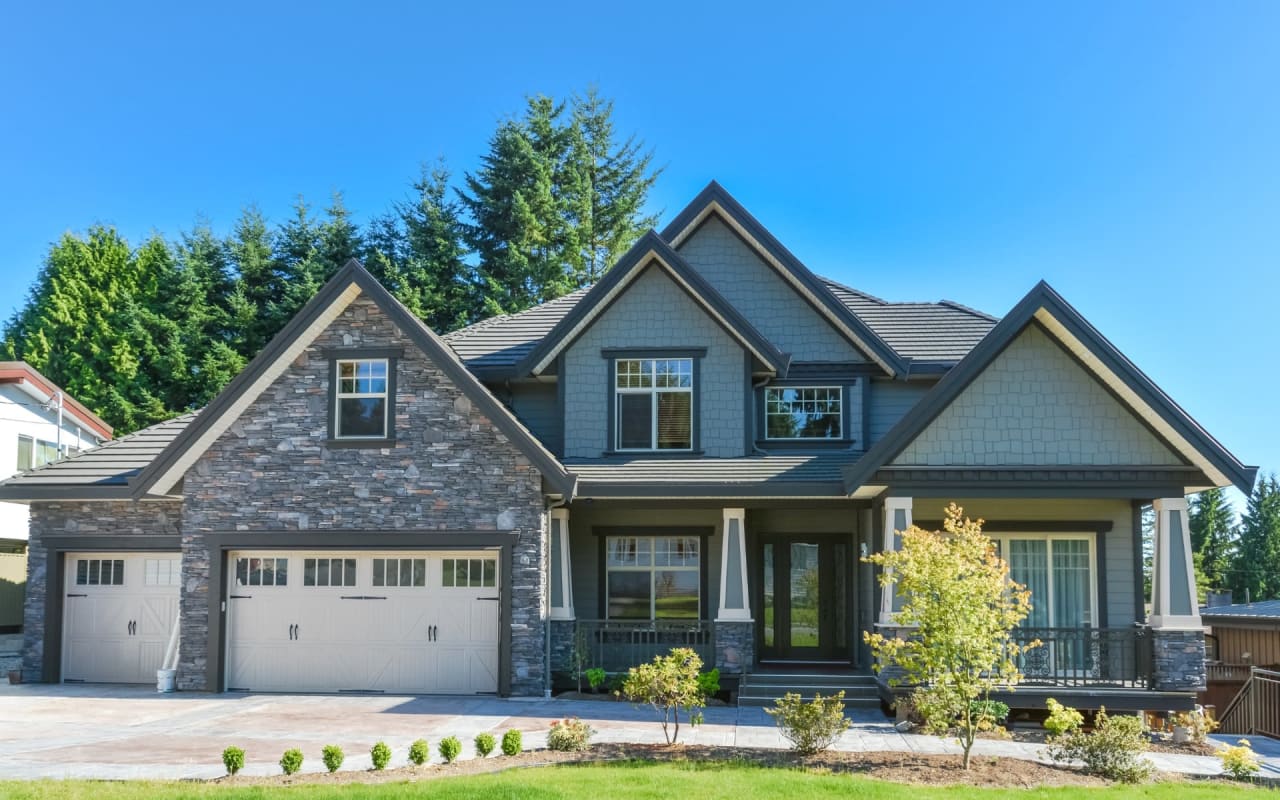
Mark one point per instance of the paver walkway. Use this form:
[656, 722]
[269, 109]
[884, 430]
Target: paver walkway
[126, 732]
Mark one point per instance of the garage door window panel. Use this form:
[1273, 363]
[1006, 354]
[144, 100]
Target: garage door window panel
[262, 572]
[469, 572]
[329, 572]
[400, 572]
[99, 572]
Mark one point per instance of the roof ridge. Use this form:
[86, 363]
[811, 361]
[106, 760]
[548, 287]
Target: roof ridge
[488, 322]
[969, 309]
[867, 295]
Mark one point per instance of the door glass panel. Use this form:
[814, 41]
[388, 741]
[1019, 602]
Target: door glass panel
[767, 586]
[1029, 565]
[804, 594]
[840, 595]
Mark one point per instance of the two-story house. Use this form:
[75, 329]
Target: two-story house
[38, 425]
[697, 450]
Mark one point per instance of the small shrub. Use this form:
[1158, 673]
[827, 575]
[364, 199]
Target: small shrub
[380, 755]
[1197, 723]
[1062, 719]
[512, 743]
[291, 761]
[419, 752]
[233, 759]
[1113, 750]
[450, 748]
[1240, 762]
[709, 682]
[596, 677]
[485, 744]
[670, 685]
[569, 734]
[332, 756]
[992, 712]
[810, 727]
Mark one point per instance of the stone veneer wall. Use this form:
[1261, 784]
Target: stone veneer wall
[735, 647]
[450, 469]
[122, 518]
[1177, 662]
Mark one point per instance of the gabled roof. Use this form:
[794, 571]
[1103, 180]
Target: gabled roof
[160, 477]
[496, 344]
[926, 334]
[1046, 307]
[715, 200]
[100, 473]
[28, 379]
[649, 250]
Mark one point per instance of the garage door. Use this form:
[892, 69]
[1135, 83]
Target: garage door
[407, 622]
[118, 613]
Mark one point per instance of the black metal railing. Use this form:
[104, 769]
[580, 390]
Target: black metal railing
[617, 645]
[1118, 657]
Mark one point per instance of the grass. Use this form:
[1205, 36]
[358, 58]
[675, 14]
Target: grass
[630, 781]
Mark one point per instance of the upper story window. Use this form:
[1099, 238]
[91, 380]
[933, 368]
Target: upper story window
[654, 398]
[803, 412]
[361, 399]
[34, 453]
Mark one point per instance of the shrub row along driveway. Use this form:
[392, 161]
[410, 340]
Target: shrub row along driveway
[117, 732]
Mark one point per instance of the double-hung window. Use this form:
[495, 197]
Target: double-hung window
[653, 577]
[803, 412]
[34, 453]
[361, 400]
[654, 403]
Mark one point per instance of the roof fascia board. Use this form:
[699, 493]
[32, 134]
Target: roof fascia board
[648, 250]
[34, 385]
[168, 469]
[1042, 304]
[715, 200]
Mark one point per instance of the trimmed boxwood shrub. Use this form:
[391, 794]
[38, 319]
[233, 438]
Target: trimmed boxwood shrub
[450, 748]
[291, 761]
[233, 759]
[419, 752]
[485, 744]
[512, 743]
[380, 755]
[333, 757]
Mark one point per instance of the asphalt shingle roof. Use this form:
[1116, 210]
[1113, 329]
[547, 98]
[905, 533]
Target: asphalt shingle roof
[1263, 609]
[752, 471]
[937, 332]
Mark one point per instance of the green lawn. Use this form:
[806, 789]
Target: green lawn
[620, 781]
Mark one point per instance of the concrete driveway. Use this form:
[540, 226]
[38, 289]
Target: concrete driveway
[77, 731]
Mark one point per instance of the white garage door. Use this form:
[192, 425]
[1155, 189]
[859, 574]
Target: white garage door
[118, 613]
[406, 622]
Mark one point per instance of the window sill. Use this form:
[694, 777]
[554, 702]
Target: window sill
[359, 444]
[654, 453]
[805, 444]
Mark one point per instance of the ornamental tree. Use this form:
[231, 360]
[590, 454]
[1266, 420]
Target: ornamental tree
[962, 607]
[670, 685]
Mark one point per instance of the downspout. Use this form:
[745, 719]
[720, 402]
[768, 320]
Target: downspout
[752, 422]
[546, 608]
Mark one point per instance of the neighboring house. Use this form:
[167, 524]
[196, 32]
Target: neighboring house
[1240, 636]
[38, 425]
[696, 450]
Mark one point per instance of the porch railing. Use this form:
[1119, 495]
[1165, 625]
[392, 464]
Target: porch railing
[1119, 657]
[1256, 709]
[617, 645]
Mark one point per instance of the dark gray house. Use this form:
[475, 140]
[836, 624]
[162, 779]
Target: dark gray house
[697, 450]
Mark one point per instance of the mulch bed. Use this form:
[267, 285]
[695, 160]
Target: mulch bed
[1162, 745]
[891, 766]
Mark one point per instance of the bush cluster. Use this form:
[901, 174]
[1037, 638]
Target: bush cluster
[1062, 719]
[291, 761]
[810, 727]
[450, 748]
[512, 743]
[569, 735]
[485, 744]
[1113, 750]
[380, 755]
[419, 752]
[332, 756]
[1240, 762]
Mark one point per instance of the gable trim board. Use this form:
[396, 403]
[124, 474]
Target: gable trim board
[167, 470]
[715, 200]
[1044, 307]
[649, 250]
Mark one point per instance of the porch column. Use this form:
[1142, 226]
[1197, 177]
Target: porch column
[735, 632]
[561, 577]
[733, 568]
[897, 518]
[1177, 634]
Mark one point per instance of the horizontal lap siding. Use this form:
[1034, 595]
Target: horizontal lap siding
[890, 401]
[535, 405]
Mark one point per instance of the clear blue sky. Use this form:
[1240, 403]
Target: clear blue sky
[1127, 153]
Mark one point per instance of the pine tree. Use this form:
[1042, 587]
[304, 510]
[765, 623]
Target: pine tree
[436, 279]
[1255, 569]
[1212, 523]
[259, 289]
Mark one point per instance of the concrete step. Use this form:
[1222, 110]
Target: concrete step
[763, 688]
[857, 701]
[808, 679]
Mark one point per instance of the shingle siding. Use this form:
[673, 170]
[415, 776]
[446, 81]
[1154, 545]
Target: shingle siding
[1034, 405]
[772, 305]
[654, 313]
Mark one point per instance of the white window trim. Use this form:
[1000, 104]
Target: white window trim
[339, 396]
[654, 390]
[652, 569]
[1089, 538]
[839, 390]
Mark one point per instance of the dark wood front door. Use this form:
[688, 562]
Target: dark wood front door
[804, 598]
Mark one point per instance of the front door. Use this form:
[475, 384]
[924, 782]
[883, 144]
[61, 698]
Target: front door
[805, 598]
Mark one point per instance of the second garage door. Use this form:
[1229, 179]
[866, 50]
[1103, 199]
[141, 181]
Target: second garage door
[408, 622]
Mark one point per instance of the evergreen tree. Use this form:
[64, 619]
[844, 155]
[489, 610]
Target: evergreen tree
[259, 289]
[437, 281]
[1255, 569]
[1212, 523]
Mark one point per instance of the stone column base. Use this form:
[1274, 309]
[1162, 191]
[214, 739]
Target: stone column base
[1177, 661]
[735, 647]
[562, 636]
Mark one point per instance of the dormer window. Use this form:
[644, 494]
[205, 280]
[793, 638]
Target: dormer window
[361, 401]
[653, 403]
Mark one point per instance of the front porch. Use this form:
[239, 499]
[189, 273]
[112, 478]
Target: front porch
[783, 587]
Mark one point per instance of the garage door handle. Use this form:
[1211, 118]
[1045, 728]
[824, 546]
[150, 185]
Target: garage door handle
[488, 598]
[241, 597]
[77, 595]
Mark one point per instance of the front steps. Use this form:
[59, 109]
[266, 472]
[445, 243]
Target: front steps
[764, 687]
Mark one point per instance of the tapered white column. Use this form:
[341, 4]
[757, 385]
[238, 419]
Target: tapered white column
[734, 605]
[897, 518]
[1174, 602]
[561, 576]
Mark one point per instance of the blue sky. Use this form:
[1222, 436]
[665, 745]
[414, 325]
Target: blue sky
[1127, 153]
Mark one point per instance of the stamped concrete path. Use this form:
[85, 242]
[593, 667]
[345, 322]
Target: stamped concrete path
[67, 731]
